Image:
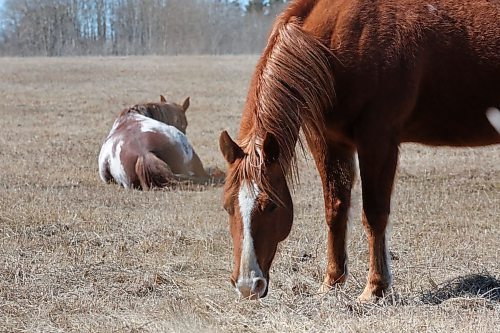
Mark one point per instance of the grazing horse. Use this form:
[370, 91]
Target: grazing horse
[147, 147]
[354, 76]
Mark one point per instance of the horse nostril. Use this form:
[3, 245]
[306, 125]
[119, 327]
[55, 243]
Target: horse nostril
[259, 286]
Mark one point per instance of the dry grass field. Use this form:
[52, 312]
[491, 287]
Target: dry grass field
[77, 255]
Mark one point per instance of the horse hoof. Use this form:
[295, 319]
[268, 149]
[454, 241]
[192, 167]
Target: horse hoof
[367, 299]
[369, 296]
[331, 283]
[324, 288]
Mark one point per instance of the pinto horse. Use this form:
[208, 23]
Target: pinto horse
[147, 147]
[354, 76]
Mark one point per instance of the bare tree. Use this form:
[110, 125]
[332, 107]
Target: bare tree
[124, 27]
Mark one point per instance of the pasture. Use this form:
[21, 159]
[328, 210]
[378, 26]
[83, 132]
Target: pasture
[83, 256]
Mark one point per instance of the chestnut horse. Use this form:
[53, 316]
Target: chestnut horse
[354, 76]
[147, 147]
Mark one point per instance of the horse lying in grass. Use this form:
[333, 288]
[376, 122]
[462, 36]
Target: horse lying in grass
[354, 76]
[147, 147]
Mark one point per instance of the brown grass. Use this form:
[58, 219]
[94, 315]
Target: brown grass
[79, 255]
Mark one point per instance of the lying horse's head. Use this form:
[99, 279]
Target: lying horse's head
[172, 114]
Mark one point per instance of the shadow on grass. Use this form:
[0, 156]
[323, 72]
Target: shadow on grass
[483, 286]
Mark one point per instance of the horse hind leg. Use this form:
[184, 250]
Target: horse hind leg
[217, 176]
[153, 172]
[200, 175]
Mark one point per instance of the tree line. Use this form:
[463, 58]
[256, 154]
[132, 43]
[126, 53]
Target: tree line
[135, 27]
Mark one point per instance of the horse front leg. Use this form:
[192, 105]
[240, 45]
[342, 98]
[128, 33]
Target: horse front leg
[335, 163]
[377, 164]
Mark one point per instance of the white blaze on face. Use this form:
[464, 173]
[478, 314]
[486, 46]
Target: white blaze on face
[249, 267]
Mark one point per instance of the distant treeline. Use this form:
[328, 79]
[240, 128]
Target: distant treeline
[135, 27]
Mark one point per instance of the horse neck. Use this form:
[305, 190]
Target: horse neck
[158, 113]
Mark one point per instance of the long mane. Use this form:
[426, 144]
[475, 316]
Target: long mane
[291, 89]
[156, 111]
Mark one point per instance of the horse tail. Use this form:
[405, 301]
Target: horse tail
[153, 172]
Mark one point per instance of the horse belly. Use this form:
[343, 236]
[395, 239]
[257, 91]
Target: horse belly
[175, 159]
[450, 127]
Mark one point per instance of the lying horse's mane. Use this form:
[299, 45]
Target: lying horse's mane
[156, 111]
[291, 88]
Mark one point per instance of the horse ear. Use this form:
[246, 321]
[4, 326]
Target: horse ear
[270, 148]
[229, 148]
[163, 99]
[185, 104]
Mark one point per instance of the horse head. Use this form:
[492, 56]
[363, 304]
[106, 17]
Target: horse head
[172, 114]
[258, 201]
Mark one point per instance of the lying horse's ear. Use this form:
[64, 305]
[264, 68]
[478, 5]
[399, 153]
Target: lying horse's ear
[185, 104]
[163, 99]
[270, 148]
[229, 148]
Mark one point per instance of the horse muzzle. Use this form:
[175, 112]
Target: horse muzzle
[252, 288]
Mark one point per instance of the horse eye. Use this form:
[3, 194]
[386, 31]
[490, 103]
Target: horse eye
[228, 209]
[270, 207]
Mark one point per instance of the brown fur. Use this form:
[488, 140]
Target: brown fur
[362, 76]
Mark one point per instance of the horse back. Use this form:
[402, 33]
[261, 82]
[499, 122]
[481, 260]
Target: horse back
[428, 69]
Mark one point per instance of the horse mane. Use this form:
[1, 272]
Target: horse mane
[291, 88]
[156, 111]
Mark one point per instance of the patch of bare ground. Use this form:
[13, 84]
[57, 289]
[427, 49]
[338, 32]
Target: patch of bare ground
[82, 256]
